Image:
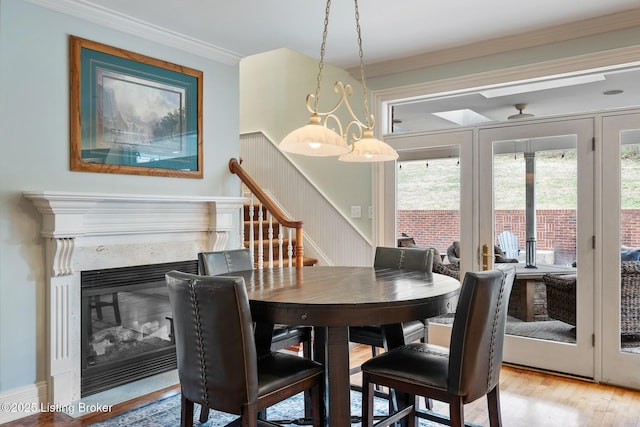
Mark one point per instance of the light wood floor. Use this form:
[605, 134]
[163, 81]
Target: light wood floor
[527, 399]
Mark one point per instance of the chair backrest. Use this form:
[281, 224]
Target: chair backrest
[477, 337]
[215, 348]
[509, 244]
[224, 262]
[419, 259]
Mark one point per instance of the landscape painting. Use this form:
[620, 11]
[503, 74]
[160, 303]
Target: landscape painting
[135, 115]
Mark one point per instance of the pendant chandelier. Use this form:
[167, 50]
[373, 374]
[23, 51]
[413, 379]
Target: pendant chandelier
[353, 142]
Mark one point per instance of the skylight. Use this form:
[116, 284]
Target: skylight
[464, 117]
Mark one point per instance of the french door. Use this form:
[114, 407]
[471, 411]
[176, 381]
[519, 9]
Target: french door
[452, 150]
[536, 180]
[620, 211]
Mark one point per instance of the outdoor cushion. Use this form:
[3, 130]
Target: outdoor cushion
[630, 255]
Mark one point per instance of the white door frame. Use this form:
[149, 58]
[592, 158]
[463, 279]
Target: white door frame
[616, 367]
[576, 359]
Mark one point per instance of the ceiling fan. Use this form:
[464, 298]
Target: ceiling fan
[520, 115]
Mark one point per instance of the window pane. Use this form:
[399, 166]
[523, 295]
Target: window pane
[429, 202]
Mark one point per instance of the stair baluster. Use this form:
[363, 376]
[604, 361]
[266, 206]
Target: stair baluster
[252, 236]
[274, 215]
[270, 237]
[280, 246]
[260, 237]
[290, 245]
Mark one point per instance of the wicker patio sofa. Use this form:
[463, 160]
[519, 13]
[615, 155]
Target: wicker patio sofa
[561, 297]
[630, 297]
[450, 270]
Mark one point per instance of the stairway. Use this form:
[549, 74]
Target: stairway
[266, 244]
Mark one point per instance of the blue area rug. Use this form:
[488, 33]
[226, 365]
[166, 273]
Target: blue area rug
[166, 413]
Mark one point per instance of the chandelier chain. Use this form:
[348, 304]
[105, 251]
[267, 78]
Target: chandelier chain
[322, 51]
[362, 76]
[353, 141]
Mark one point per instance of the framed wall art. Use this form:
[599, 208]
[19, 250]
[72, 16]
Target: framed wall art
[132, 114]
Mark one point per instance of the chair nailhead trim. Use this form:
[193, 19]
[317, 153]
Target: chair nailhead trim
[198, 322]
[496, 318]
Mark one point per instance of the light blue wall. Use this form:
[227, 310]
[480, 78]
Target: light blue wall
[34, 141]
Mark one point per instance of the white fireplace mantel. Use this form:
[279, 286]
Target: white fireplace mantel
[85, 231]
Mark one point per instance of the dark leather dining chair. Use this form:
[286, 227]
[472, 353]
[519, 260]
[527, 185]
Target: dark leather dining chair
[468, 370]
[230, 261]
[218, 365]
[223, 262]
[417, 259]
[233, 260]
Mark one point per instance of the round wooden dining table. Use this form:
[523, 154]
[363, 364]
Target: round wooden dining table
[333, 298]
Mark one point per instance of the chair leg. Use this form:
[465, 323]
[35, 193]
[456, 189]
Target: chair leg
[493, 402]
[306, 349]
[186, 412]
[317, 408]
[204, 414]
[456, 411]
[393, 400]
[307, 354]
[367, 402]
[249, 416]
[411, 419]
[374, 353]
[428, 404]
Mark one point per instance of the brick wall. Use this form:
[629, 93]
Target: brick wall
[436, 228]
[556, 229]
[631, 227]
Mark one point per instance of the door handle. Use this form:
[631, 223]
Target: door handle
[485, 257]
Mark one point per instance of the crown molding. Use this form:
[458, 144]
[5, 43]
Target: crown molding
[108, 18]
[588, 27]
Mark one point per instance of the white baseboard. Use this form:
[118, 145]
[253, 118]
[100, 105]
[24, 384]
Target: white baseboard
[22, 402]
[25, 401]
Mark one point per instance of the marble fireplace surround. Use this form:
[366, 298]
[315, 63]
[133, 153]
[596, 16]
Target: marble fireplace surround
[87, 231]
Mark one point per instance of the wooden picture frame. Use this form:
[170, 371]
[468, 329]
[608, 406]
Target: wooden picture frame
[132, 114]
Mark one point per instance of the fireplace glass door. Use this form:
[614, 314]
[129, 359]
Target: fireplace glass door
[126, 325]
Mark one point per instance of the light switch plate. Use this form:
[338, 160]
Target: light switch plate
[356, 212]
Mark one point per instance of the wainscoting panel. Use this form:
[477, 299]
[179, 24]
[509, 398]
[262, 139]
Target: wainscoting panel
[328, 234]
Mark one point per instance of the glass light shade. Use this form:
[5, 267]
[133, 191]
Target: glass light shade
[314, 139]
[369, 149]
